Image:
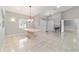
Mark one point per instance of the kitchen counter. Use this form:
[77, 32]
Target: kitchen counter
[30, 32]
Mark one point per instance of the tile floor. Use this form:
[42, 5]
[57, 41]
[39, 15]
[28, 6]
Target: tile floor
[42, 42]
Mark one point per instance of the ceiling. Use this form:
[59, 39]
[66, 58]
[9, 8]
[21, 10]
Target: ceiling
[36, 10]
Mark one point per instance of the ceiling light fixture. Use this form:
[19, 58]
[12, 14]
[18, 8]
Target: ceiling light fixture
[12, 20]
[30, 17]
[58, 6]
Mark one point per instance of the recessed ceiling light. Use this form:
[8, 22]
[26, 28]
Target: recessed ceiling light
[58, 6]
[74, 40]
[12, 20]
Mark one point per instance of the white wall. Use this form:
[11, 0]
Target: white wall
[57, 18]
[13, 27]
[69, 16]
[72, 13]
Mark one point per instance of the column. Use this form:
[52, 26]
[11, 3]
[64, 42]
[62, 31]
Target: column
[62, 25]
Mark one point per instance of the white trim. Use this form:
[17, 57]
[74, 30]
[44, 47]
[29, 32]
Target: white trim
[62, 25]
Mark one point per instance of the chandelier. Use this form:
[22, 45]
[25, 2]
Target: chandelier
[30, 17]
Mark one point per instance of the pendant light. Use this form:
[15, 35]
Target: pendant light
[30, 18]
